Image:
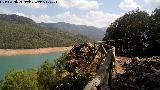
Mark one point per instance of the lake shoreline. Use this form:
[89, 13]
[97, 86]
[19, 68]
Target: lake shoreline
[15, 52]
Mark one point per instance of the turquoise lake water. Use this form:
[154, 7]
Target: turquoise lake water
[24, 61]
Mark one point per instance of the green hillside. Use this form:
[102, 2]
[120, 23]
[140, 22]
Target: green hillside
[18, 32]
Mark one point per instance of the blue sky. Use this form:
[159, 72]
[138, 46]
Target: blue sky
[99, 13]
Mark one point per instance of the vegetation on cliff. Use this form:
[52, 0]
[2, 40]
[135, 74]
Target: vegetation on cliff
[50, 76]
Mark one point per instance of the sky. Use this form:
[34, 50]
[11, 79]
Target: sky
[98, 13]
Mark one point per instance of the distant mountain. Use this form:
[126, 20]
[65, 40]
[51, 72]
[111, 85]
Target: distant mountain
[21, 32]
[89, 31]
[104, 29]
[16, 19]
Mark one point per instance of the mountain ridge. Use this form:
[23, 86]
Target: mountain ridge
[89, 31]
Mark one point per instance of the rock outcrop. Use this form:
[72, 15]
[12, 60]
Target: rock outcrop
[140, 74]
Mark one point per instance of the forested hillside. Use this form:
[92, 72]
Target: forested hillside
[89, 31]
[23, 33]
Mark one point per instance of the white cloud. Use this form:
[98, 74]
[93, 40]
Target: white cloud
[154, 3]
[21, 14]
[81, 4]
[4, 11]
[33, 5]
[99, 18]
[64, 17]
[92, 18]
[128, 5]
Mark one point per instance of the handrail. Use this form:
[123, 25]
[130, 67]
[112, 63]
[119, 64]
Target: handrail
[104, 72]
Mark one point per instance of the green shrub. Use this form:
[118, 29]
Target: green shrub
[75, 82]
[47, 77]
[21, 80]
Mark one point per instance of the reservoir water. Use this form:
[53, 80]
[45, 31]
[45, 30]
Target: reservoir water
[24, 61]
